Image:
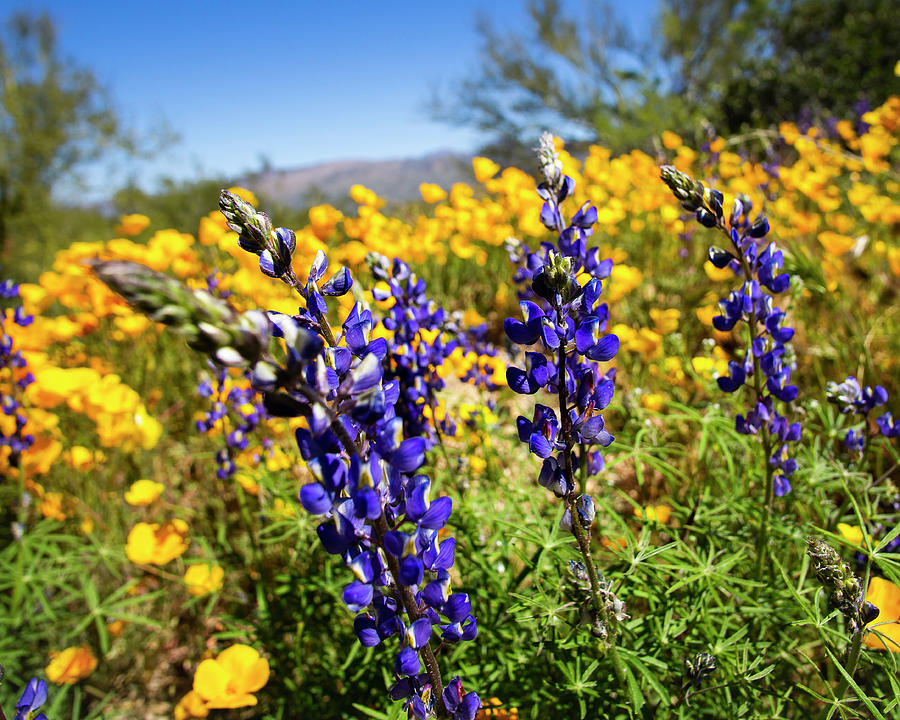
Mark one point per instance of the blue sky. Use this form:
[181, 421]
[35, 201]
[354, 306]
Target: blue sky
[295, 82]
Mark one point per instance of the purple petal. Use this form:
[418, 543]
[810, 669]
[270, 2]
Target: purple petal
[315, 499]
[437, 514]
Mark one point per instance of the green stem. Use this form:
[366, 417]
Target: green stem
[762, 534]
[849, 668]
[21, 517]
[581, 535]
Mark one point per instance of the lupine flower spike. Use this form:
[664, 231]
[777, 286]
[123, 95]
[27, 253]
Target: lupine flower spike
[768, 359]
[564, 322]
[361, 443]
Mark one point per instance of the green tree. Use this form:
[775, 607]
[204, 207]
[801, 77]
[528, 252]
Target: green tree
[817, 56]
[589, 78]
[725, 64]
[704, 43]
[54, 118]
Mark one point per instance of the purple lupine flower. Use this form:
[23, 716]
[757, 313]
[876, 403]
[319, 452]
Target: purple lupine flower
[851, 398]
[767, 364]
[564, 327]
[239, 411]
[33, 697]
[424, 336]
[364, 445]
[556, 312]
[365, 457]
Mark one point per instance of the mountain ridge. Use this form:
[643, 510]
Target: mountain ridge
[396, 180]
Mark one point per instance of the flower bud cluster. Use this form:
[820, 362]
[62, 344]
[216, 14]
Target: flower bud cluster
[767, 363]
[275, 246]
[844, 590]
[614, 607]
[698, 667]
[208, 323]
[14, 378]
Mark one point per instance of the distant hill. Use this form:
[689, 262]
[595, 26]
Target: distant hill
[395, 180]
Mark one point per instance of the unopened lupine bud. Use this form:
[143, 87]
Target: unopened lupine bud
[697, 668]
[556, 280]
[253, 228]
[208, 324]
[688, 191]
[551, 165]
[842, 586]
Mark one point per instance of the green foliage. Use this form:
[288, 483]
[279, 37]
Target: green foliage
[819, 56]
[727, 63]
[174, 204]
[589, 76]
[54, 117]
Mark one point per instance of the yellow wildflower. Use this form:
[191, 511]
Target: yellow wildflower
[717, 274]
[143, 492]
[493, 710]
[132, 224]
[82, 458]
[666, 321]
[246, 481]
[622, 280]
[203, 579]
[70, 665]
[477, 465]
[152, 544]
[852, 534]
[191, 706]
[653, 401]
[654, 513]
[884, 595]
[363, 196]
[432, 193]
[671, 140]
[484, 169]
[280, 507]
[706, 314]
[893, 256]
[52, 506]
[229, 680]
[835, 243]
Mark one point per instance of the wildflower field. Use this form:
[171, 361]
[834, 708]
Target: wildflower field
[608, 436]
